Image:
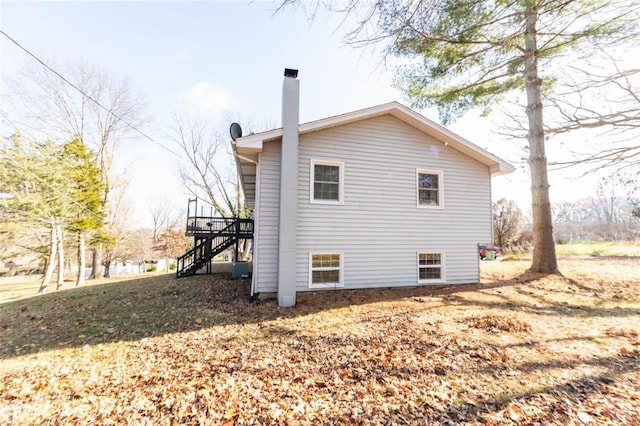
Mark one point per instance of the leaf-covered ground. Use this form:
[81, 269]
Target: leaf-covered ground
[516, 349]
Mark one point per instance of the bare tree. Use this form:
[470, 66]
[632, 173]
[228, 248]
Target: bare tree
[138, 246]
[209, 170]
[608, 214]
[117, 225]
[608, 197]
[632, 188]
[164, 214]
[507, 222]
[599, 101]
[103, 110]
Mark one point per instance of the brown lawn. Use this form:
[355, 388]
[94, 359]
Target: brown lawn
[516, 349]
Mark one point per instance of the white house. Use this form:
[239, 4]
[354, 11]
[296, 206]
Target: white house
[380, 197]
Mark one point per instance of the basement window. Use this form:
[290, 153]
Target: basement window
[430, 267]
[325, 270]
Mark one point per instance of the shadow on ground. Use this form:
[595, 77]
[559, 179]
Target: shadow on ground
[162, 305]
[157, 305]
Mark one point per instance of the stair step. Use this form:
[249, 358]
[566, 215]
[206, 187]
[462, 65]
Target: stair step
[203, 252]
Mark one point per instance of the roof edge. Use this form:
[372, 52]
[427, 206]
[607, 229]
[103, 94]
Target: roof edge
[498, 166]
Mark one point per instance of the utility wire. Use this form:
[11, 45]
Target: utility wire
[87, 95]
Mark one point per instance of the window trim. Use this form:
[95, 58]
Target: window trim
[340, 165]
[440, 188]
[442, 278]
[340, 269]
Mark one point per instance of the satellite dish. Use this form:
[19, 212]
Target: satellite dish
[236, 131]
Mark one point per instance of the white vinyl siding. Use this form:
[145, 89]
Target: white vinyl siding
[325, 270]
[379, 229]
[326, 182]
[265, 268]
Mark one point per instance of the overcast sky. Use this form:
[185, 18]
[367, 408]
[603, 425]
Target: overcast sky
[225, 60]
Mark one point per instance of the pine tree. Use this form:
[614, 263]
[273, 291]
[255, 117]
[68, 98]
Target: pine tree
[52, 188]
[85, 172]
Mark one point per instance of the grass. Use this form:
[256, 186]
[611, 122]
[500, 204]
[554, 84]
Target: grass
[598, 248]
[516, 348]
[105, 310]
[585, 249]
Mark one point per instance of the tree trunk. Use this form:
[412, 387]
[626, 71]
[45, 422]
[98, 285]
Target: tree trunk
[107, 266]
[60, 256]
[96, 263]
[544, 252]
[244, 249]
[81, 259]
[48, 273]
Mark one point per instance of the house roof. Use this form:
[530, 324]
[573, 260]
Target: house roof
[247, 148]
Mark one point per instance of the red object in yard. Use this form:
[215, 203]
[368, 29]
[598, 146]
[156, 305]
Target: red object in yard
[483, 249]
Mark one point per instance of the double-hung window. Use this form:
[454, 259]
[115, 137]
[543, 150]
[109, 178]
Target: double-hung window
[429, 187]
[430, 267]
[325, 270]
[327, 182]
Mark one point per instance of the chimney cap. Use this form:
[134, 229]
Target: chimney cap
[290, 73]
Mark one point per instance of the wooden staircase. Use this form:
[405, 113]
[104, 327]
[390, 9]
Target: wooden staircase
[212, 236]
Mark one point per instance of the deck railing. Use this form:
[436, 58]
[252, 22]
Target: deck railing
[202, 226]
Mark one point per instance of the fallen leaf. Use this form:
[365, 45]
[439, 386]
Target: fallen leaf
[392, 389]
[515, 412]
[585, 418]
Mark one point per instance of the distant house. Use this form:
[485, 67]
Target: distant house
[380, 197]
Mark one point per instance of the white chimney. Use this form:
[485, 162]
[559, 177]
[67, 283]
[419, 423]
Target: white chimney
[288, 189]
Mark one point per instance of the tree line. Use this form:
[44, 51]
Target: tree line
[610, 214]
[60, 187]
[57, 189]
[55, 201]
[66, 140]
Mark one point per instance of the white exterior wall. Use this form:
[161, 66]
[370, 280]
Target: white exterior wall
[265, 268]
[379, 229]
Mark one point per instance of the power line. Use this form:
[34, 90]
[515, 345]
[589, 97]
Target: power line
[116, 116]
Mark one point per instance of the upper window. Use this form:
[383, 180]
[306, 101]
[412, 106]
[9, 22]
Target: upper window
[430, 267]
[327, 182]
[325, 270]
[429, 188]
